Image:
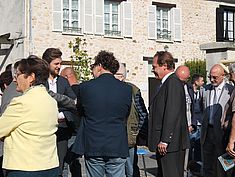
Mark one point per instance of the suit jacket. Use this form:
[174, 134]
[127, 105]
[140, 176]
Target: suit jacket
[167, 116]
[104, 105]
[64, 88]
[9, 93]
[29, 124]
[218, 112]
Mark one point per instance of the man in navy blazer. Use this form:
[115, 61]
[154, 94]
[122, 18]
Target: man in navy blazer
[59, 84]
[104, 105]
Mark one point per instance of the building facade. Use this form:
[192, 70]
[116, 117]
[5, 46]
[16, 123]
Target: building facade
[132, 29]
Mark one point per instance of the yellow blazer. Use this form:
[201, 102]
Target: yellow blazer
[29, 124]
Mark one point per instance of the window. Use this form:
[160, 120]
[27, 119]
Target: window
[163, 23]
[229, 25]
[93, 17]
[71, 16]
[112, 18]
[225, 24]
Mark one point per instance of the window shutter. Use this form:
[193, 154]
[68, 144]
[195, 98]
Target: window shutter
[99, 17]
[152, 21]
[57, 15]
[88, 17]
[219, 24]
[127, 19]
[177, 24]
[81, 14]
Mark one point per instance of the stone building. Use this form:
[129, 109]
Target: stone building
[132, 29]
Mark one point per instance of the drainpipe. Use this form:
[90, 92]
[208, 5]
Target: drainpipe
[30, 28]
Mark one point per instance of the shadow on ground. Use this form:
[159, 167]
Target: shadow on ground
[150, 171]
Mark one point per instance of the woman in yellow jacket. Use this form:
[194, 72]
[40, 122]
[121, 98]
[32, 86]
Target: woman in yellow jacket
[29, 123]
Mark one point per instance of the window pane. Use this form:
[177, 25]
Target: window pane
[115, 8]
[66, 23]
[230, 16]
[106, 18]
[230, 26]
[230, 35]
[75, 24]
[66, 4]
[66, 14]
[107, 27]
[115, 19]
[165, 24]
[106, 8]
[225, 15]
[74, 14]
[115, 28]
[75, 4]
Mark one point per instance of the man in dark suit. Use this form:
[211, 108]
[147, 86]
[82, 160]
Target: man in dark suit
[213, 135]
[104, 105]
[59, 84]
[168, 129]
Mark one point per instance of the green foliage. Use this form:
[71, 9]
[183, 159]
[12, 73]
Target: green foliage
[80, 60]
[196, 66]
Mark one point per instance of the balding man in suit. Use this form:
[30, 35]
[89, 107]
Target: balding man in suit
[215, 97]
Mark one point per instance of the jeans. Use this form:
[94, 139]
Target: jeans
[54, 172]
[101, 166]
[131, 166]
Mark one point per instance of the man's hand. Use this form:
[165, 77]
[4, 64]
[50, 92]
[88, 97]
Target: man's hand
[162, 148]
[190, 128]
[230, 149]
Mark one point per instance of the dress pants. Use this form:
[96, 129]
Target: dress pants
[105, 166]
[171, 164]
[211, 151]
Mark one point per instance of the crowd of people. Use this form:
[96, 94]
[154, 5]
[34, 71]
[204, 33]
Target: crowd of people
[49, 118]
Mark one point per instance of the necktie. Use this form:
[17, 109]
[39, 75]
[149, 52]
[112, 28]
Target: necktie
[212, 107]
[158, 87]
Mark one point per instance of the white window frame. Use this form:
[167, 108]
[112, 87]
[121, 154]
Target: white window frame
[227, 12]
[70, 28]
[110, 19]
[161, 23]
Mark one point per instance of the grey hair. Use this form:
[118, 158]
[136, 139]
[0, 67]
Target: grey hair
[231, 68]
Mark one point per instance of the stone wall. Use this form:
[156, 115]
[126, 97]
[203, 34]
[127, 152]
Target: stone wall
[198, 27]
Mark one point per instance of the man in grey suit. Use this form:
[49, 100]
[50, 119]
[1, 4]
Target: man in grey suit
[213, 136]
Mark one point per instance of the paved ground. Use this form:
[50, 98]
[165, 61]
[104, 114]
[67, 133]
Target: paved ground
[150, 162]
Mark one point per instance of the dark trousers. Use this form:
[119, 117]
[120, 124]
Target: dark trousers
[210, 153]
[171, 165]
[42, 173]
[63, 134]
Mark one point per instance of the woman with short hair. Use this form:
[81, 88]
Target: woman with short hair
[29, 123]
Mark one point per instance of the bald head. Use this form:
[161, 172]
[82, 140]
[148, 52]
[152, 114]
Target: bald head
[218, 69]
[70, 74]
[216, 75]
[183, 73]
[121, 73]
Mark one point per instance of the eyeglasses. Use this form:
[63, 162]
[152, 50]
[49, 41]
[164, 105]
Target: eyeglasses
[92, 66]
[213, 77]
[16, 75]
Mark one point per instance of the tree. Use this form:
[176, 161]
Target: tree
[196, 66]
[80, 60]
